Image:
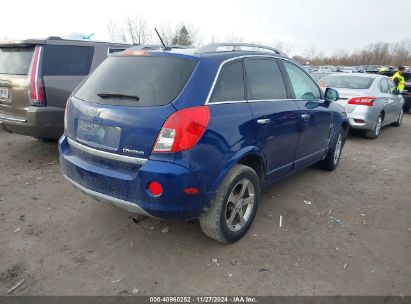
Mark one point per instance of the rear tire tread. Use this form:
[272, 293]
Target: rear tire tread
[210, 221]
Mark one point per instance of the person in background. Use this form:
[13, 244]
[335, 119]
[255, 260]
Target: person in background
[399, 79]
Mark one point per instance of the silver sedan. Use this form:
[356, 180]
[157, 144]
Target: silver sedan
[370, 101]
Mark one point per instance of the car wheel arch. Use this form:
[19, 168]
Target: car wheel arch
[250, 156]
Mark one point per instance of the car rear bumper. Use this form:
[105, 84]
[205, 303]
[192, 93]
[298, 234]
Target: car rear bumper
[39, 122]
[362, 118]
[124, 184]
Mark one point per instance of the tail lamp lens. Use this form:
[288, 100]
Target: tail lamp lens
[36, 89]
[182, 130]
[362, 101]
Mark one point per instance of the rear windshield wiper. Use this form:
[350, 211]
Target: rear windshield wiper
[119, 95]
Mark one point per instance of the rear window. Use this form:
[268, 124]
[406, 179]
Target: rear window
[15, 60]
[155, 81]
[349, 82]
[67, 60]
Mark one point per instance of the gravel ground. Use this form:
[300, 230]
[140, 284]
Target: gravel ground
[352, 236]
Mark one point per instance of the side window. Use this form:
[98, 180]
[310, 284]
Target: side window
[384, 86]
[230, 83]
[67, 60]
[391, 85]
[304, 87]
[264, 80]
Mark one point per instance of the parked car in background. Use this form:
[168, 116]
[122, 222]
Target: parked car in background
[371, 68]
[37, 77]
[407, 93]
[347, 70]
[185, 134]
[308, 68]
[370, 101]
[324, 69]
[359, 69]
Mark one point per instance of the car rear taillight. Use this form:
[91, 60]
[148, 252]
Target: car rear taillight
[362, 101]
[182, 130]
[36, 88]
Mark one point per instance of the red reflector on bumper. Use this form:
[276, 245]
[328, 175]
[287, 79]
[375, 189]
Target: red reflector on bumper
[191, 191]
[155, 188]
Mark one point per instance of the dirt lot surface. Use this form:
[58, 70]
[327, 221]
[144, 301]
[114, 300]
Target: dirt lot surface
[353, 239]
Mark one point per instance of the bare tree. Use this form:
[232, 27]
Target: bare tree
[281, 46]
[376, 53]
[115, 32]
[136, 28]
[214, 39]
[233, 38]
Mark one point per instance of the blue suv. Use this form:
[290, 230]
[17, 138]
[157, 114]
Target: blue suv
[195, 133]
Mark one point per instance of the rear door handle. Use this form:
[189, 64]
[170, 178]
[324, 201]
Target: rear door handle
[263, 121]
[305, 116]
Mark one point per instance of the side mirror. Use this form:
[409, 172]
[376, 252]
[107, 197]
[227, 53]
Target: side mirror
[331, 95]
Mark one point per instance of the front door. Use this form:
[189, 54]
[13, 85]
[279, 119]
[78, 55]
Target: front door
[315, 117]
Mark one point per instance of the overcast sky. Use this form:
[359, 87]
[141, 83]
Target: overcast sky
[328, 25]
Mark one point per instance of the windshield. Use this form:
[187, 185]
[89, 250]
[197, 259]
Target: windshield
[348, 82]
[147, 81]
[15, 60]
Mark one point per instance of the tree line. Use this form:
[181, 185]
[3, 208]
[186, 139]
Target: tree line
[381, 53]
[135, 30]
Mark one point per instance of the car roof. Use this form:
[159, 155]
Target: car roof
[358, 75]
[57, 40]
[197, 54]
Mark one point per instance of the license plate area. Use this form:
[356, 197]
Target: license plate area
[98, 135]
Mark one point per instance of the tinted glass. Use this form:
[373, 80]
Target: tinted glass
[318, 76]
[384, 86]
[154, 80]
[15, 60]
[230, 85]
[67, 60]
[264, 80]
[349, 82]
[304, 87]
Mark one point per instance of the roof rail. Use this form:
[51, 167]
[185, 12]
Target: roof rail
[159, 46]
[235, 47]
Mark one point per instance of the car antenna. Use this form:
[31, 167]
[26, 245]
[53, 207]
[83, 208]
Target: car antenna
[162, 42]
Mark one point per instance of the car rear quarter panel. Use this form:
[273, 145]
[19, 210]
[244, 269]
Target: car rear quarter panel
[230, 136]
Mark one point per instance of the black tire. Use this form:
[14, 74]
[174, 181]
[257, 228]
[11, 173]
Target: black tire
[375, 132]
[399, 119]
[214, 222]
[331, 160]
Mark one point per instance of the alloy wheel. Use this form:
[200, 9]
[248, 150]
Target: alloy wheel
[338, 147]
[240, 204]
[378, 126]
[400, 117]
